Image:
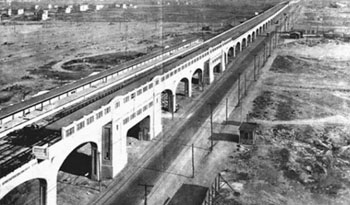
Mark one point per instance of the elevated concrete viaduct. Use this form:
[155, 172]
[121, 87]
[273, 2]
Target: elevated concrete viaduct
[134, 109]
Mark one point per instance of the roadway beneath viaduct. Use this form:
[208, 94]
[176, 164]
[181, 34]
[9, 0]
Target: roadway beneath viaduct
[126, 188]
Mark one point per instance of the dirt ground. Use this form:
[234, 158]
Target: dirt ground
[301, 154]
[32, 53]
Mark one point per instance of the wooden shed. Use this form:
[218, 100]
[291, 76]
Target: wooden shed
[247, 133]
[189, 194]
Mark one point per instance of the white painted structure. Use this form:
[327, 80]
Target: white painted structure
[20, 11]
[123, 112]
[99, 7]
[68, 10]
[45, 15]
[84, 7]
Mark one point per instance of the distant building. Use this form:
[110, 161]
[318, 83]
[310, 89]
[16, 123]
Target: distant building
[68, 10]
[337, 5]
[99, 7]
[41, 15]
[83, 7]
[45, 15]
[17, 11]
[247, 133]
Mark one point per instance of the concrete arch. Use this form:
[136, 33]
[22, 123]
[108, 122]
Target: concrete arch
[244, 43]
[249, 39]
[199, 71]
[260, 30]
[87, 164]
[187, 91]
[253, 36]
[73, 145]
[230, 53]
[140, 129]
[6, 189]
[238, 48]
[168, 100]
[257, 32]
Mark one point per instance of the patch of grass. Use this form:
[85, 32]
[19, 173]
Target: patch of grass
[261, 103]
[290, 64]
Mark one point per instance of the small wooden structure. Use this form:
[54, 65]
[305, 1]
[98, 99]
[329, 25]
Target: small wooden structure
[296, 34]
[189, 194]
[247, 133]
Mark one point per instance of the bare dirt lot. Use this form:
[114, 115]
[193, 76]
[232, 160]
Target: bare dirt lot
[302, 148]
[31, 53]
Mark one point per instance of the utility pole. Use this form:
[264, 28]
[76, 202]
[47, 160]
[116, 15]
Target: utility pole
[245, 84]
[270, 39]
[239, 89]
[254, 67]
[276, 33]
[226, 110]
[192, 160]
[211, 127]
[146, 186]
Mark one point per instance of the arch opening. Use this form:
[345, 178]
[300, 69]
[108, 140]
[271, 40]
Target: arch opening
[80, 170]
[197, 80]
[82, 161]
[217, 68]
[182, 90]
[249, 40]
[167, 100]
[29, 192]
[253, 36]
[141, 130]
[238, 48]
[230, 54]
[244, 43]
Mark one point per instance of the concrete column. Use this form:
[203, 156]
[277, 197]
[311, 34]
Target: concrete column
[189, 88]
[156, 126]
[223, 63]
[94, 163]
[51, 189]
[42, 192]
[119, 156]
[211, 71]
[234, 51]
[172, 101]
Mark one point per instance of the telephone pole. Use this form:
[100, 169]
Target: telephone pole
[211, 126]
[146, 186]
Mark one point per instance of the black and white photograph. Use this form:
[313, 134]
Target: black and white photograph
[174, 102]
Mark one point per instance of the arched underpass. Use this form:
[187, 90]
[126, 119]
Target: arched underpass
[138, 137]
[141, 130]
[244, 43]
[217, 70]
[230, 55]
[238, 48]
[167, 101]
[78, 173]
[182, 92]
[31, 192]
[197, 81]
